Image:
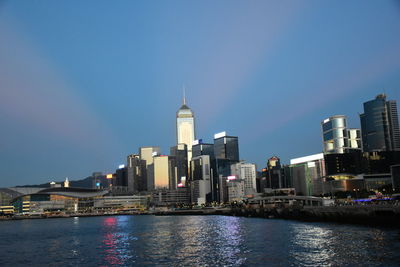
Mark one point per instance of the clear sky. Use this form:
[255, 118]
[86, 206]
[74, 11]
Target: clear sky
[85, 83]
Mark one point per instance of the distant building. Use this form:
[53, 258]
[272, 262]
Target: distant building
[179, 154]
[99, 180]
[185, 128]
[66, 199]
[226, 147]
[248, 173]
[66, 182]
[120, 181]
[171, 197]
[380, 125]
[337, 137]
[377, 169]
[161, 172]
[136, 174]
[307, 174]
[236, 189]
[147, 153]
[199, 149]
[226, 153]
[274, 176]
[201, 179]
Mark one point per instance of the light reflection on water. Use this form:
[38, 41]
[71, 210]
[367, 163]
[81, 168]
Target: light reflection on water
[343, 245]
[195, 241]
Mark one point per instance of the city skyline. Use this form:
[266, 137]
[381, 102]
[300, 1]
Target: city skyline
[107, 105]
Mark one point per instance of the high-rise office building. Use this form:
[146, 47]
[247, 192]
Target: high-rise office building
[137, 174]
[147, 153]
[226, 153]
[337, 137]
[226, 147]
[179, 163]
[380, 125]
[199, 148]
[185, 127]
[201, 179]
[161, 172]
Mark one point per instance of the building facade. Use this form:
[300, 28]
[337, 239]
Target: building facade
[248, 173]
[200, 168]
[380, 125]
[226, 147]
[137, 174]
[185, 128]
[179, 154]
[147, 153]
[161, 172]
[307, 174]
[337, 138]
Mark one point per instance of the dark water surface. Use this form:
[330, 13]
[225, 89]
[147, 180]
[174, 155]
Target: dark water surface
[194, 241]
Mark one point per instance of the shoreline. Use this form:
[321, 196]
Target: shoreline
[361, 215]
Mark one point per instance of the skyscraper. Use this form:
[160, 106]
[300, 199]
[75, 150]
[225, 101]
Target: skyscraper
[380, 125]
[201, 179]
[161, 172]
[226, 147]
[147, 153]
[226, 153]
[179, 155]
[137, 174]
[185, 127]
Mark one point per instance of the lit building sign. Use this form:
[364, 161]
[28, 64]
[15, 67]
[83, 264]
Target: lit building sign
[109, 176]
[97, 184]
[231, 177]
[121, 166]
[219, 135]
[180, 185]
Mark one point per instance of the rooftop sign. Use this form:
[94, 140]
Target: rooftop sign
[307, 158]
[219, 135]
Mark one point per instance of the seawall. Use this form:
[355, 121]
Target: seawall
[369, 215]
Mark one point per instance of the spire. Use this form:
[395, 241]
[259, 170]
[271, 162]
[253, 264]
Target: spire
[184, 95]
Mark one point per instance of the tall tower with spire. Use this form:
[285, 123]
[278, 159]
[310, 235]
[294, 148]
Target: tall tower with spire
[185, 126]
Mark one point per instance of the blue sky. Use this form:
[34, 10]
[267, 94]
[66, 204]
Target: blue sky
[85, 83]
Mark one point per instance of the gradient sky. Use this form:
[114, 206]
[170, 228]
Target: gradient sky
[85, 83]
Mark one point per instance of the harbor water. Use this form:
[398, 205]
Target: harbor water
[194, 241]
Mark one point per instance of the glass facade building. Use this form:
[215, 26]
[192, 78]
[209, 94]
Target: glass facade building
[226, 147]
[203, 149]
[337, 137]
[137, 174]
[380, 125]
[180, 164]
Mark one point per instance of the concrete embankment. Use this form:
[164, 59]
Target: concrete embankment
[371, 215]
